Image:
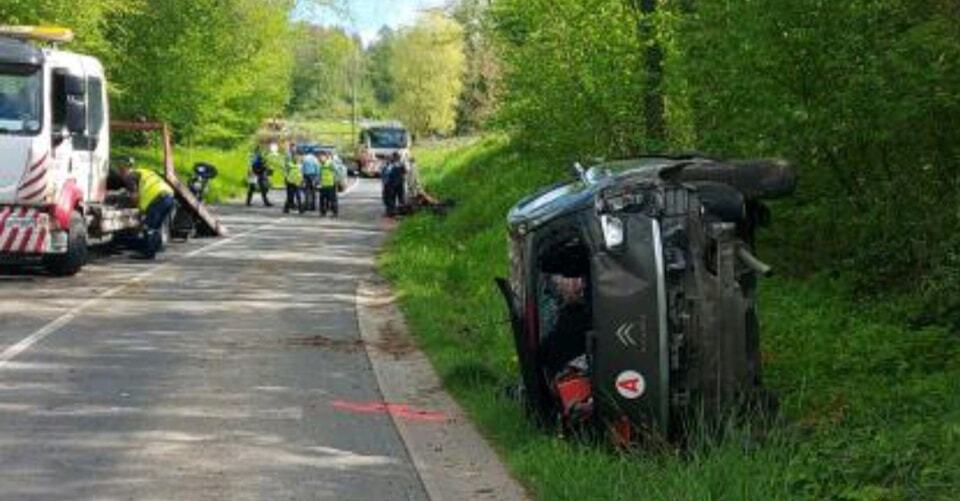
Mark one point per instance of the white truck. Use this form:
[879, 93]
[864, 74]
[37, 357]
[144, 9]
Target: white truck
[55, 153]
[378, 143]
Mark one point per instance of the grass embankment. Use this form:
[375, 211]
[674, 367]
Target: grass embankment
[870, 406]
[232, 165]
[231, 181]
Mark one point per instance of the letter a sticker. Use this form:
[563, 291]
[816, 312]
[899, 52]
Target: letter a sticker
[631, 385]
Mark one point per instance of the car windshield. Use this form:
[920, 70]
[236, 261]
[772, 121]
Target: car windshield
[20, 110]
[387, 138]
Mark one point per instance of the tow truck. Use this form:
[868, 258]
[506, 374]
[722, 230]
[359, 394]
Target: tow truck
[55, 153]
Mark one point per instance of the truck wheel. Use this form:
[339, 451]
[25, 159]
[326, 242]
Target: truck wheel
[69, 263]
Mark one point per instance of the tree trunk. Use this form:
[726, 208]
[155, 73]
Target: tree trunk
[654, 121]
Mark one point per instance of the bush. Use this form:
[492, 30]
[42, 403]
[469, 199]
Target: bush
[862, 96]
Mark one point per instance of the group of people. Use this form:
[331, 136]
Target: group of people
[304, 175]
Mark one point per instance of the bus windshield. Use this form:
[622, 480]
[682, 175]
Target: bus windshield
[20, 99]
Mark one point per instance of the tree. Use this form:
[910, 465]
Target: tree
[214, 68]
[653, 101]
[478, 101]
[427, 66]
[378, 67]
[322, 75]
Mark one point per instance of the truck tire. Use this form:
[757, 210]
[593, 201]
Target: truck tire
[70, 263]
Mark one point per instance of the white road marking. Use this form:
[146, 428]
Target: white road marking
[350, 188]
[24, 344]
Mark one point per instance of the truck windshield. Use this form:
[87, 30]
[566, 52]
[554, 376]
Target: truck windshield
[387, 138]
[20, 110]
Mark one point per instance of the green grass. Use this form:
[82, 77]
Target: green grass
[231, 181]
[870, 407]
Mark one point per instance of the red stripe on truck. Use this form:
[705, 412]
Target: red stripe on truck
[32, 181]
[25, 241]
[39, 162]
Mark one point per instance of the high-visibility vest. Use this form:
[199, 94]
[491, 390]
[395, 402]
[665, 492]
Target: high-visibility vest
[328, 174]
[151, 187]
[291, 172]
[273, 161]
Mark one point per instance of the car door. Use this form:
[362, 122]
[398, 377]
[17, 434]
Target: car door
[71, 154]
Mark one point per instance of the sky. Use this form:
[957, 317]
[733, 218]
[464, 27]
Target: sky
[366, 17]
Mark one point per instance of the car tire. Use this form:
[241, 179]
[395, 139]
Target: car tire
[70, 263]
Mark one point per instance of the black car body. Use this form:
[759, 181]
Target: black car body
[632, 291]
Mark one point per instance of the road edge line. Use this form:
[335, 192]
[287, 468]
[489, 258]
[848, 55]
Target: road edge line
[452, 458]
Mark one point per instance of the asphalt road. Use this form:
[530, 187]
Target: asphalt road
[208, 374]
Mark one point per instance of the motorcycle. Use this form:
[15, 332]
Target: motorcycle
[184, 223]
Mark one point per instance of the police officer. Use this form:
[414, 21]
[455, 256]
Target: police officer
[273, 161]
[292, 178]
[311, 177]
[329, 177]
[154, 198]
[394, 185]
[257, 178]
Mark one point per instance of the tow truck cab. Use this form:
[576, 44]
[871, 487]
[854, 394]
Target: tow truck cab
[54, 152]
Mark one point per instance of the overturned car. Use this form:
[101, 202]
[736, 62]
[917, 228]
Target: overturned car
[632, 292]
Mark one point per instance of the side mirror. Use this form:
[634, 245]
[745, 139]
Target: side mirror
[578, 172]
[76, 115]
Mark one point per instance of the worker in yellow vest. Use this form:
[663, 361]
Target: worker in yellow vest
[329, 179]
[293, 179]
[154, 197]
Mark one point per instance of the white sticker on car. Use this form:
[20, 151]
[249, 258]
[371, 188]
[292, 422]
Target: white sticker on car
[631, 385]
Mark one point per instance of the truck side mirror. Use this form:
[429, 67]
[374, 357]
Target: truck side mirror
[76, 114]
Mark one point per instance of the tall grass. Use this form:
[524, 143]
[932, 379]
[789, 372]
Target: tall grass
[870, 407]
[231, 181]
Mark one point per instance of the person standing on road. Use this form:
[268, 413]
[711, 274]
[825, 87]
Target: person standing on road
[257, 178]
[292, 178]
[273, 161]
[154, 198]
[311, 176]
[394, 181]
[329, 179]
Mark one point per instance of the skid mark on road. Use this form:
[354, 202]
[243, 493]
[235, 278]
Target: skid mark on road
[54, 326]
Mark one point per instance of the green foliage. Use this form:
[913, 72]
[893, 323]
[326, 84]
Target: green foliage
[213, 68]
[84, 17]
[426, 66]
[478, 101]
[573, 77]
[861, 95]
[232, 164]
[870, 406]
[377, 58]
[327, 65]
